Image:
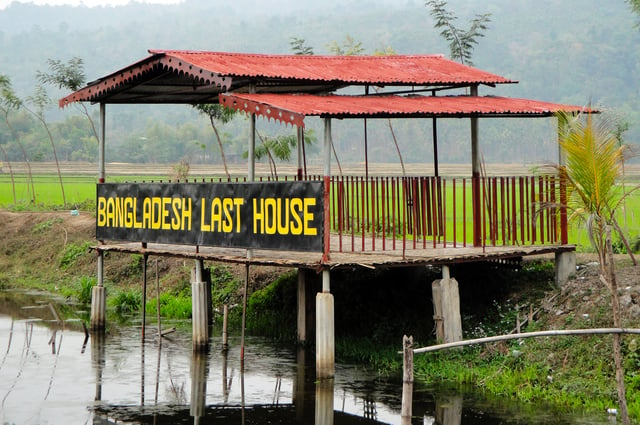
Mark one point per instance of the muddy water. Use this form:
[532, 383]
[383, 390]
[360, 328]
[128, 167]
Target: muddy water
[51, 373]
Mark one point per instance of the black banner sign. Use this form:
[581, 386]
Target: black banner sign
[283, 215]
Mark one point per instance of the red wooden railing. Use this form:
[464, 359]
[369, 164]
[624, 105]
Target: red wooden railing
[389, 213]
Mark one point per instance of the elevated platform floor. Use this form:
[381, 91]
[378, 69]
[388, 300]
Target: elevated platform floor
[368, 258]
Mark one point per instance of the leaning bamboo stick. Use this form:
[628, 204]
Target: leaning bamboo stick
[596, 331]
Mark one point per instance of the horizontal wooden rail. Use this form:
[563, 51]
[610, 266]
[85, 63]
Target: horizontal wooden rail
[563, 332]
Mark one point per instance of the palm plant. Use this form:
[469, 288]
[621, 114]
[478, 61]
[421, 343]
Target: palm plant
[594, 161]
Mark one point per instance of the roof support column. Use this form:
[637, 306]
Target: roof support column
[366, 142]
[475, 177]
[101, 143]
[434, 129]
[251, 171]
[300, 151]
[326, 154]
[562, 161]
[98, 293]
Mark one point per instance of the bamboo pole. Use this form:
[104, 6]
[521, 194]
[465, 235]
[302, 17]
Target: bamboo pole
[596, 331]
[158, 302]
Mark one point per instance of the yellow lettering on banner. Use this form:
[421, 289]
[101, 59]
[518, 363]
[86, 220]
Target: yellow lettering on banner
[176, 206]
[186, 214]
[227, 210]
[296, 220]
[270, 220]
[284, 216]
[308, 217]
[129, 212]
[156, 209]
[223, 212]
[147, 213]
[101, 216]
[216, 214]
[165, 213]
[134, 214]
[258, 216]
[110, 211]
[204, 226]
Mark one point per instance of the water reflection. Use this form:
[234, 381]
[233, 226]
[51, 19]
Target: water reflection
[47, 376]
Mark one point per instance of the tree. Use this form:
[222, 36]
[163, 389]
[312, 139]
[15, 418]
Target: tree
[349, 47]
[594, 160]
[40, 100]
[299, 48]
[461, 42]
[69, 76]
[280, 147]
[10, 101]
[217, 112]
[635, 6]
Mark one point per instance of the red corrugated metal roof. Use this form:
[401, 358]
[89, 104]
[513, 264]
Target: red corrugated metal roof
[291, 108]
[392, 69]
[184, 76]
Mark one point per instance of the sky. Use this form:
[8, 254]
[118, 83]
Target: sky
[89, 3]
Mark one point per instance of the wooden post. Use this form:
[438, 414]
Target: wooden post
[199, 309]
[446, 308]
[144, 294]
[225, 318]
[449, 410]
[158, 302]
[244, 307]
[407, 379]
[302, 307]
[436, 295]
[325, 338]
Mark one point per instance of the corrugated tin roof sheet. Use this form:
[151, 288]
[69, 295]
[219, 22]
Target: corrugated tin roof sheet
[185, 76]
[291, 108]
[374, 70]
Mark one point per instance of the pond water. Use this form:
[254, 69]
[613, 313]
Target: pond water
[51, 373]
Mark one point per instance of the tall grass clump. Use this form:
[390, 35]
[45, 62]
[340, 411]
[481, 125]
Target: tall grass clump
[271, 310]
[84, 287]
[125, 302]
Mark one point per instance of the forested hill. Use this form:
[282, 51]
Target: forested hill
[570, 51]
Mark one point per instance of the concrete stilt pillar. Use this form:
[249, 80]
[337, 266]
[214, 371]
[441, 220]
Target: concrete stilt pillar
[98, 299]
[198, 385]
[324, 402]
[98, 348]
[565, 266]
[446, 308]
[200, 321]
[325, 332]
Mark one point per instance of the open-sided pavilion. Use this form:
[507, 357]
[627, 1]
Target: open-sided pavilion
[355, 221]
